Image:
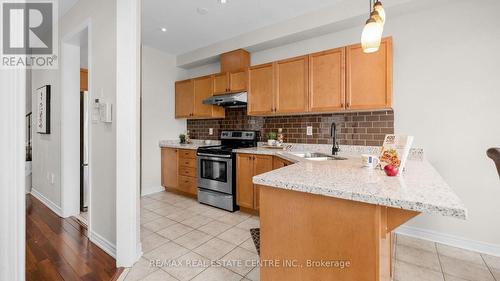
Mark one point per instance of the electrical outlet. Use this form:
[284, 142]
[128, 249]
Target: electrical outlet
[210, 131]
[309, 130]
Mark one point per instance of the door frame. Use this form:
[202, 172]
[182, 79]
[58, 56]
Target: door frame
[128, 88]
[12, 164]
[70, 110]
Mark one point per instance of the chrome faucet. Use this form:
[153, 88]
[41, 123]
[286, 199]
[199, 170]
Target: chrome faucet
[335, 148]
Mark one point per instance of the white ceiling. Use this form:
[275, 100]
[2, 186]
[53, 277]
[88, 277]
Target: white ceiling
[187, 30]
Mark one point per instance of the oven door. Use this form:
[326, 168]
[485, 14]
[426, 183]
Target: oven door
[215, 173]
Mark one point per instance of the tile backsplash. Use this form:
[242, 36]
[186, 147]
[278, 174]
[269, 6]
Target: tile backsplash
[353, 128]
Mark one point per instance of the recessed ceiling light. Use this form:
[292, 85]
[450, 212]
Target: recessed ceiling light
[222, 1]
[163, 29]
[202, 11]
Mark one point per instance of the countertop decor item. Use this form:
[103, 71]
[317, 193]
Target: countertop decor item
[182, 138]
[271, 138]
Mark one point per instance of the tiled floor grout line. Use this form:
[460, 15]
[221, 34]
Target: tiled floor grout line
[440, 263]
[489, 268]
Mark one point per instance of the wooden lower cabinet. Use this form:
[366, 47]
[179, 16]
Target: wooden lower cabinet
[280, 163]
[169, 167]
[178, 170]
[247, 166]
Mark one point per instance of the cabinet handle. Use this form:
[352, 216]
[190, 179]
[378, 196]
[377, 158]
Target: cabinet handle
[348, 105]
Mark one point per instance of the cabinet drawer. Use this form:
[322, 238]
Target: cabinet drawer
[187, 162]
[187, 154]
[187, 184]
[187, 171]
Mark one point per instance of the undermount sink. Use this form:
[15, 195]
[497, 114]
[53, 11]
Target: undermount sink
[316, 156]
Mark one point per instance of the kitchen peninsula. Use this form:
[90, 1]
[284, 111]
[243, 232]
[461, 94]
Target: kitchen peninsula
[337, 211]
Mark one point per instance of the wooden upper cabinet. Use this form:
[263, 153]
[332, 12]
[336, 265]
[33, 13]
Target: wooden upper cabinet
[169, 169]
[327, 80]
[184, 98]
[234, 61]
[238, 81]
[230, 82]
[261, 89]
[221, 83]
[84, 80]
[203, 89]
[369, 77]
[244, 184]
[292, 80]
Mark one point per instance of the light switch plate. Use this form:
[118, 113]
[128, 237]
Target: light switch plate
[309, 131]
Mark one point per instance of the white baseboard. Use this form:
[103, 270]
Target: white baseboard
[151, 189]
[51, 205]
[104, 244]
[451, 240]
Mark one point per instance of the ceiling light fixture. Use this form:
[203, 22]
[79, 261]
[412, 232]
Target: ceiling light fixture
[163, 29]
[222, 1]
[372, 32]
[380, 9]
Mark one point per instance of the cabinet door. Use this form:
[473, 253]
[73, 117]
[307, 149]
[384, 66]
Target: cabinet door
[327, 80]
[184, 99]
[202, 90]
[169, 172]
[292, 85]
[261, 90]
[262, 164]
[84, 80]
[280, 163]
[221, 83]
[244, 185]
[369, 77]
[238, 81]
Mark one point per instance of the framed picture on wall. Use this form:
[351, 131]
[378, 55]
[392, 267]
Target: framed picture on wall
[42, 117]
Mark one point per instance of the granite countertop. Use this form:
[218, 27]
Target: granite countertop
[194, 145]
[420, 188]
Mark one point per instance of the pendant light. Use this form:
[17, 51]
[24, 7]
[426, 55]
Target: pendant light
[372, 32]
[380, 10]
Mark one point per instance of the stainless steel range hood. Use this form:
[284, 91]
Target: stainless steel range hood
[228, 100]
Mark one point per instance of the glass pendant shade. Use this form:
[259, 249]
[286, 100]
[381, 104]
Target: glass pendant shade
[371, 36]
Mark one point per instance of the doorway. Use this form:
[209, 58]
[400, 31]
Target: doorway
[76, 175]
[84, 192]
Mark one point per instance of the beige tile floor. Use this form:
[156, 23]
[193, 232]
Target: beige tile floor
[190, 235]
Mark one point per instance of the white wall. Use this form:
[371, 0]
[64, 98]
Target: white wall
[159, 72]
[46, 148]
[446, 94]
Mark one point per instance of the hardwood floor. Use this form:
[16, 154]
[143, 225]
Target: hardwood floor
[58, 248]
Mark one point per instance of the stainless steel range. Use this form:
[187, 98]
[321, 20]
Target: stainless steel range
[217, 169]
